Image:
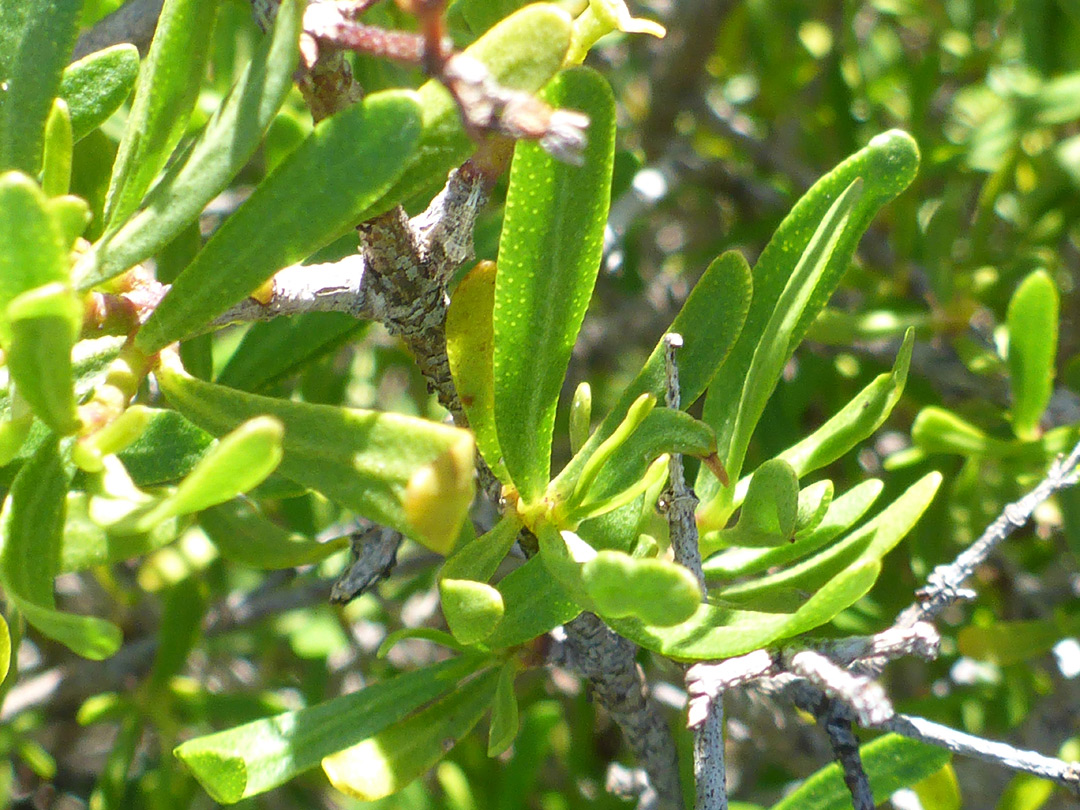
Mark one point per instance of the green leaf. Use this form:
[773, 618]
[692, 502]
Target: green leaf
[469, 345]
[1007, 643]
[424, 634]
[662, 431]
[244, 536]
[870, 542]
[580, 416]
[549, 255]
[941, 790]
[56, 152]
[95, 532]
[721, 632]
[184, 606]
[223, 148]
[239, 462]
[273, 350]
[504, 711]
[168, 449]
[95, 86]
[770, 512]
[316, 191]
[5, 649]
[814, 502]
[658, 592]
[472, 609]
[44, 324]
[386, 762]
[31, 527]
[1033, 337]
[841, 515]
[439, 494]
[479, 559]
[32, 249]
[709, 323]
[520, 53]
[164, 98]
[614, 584]
[256, 757]
[891, 762]
[535, 604]
[937, 430]
[778, 338]
[886, 166]
[362, 460]
[856, 421]
[36, 38]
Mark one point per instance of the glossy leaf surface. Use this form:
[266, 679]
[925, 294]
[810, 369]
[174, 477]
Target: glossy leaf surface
[549, 255]
[886, 166]
[535, 603]
[472, 609]
[709, 323]
[317, 190]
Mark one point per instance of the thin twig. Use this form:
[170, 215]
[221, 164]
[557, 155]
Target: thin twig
[710, 773]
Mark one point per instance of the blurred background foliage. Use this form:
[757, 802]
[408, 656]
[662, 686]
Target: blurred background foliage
[722, 126]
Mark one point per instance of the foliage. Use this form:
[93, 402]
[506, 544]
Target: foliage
[854, 335]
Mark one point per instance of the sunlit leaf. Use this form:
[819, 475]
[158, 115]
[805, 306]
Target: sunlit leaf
[1033, 337]
[549, 255]
[95, 86]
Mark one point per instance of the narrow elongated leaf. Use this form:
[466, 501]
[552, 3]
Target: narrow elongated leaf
[221, 150]
[246, 537]
[549, 255]
[251, 759]
[891, 762]
[164, 98]
[663, 431]
[32, 249]
[1033, 337]
[363, 460]
[709, 322]
[520, 53]
[470, 343]
[770, 511]
[535, 604]
[722, 632]
[95, 86]
[44, 324]
[504, 711]
[869, 543]
[36, 38]
[31, 526]
[937, 430]
[841, 516]
[239, 462]
[886, 166]
[386, 762]
[479, 559]
[777, 339]
[856, 421]
[273, 350]
[348, 160]
[5, 648]
[181, 625]
[56, 154]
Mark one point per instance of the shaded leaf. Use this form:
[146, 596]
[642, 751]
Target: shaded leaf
[504, 711]
[535, 604]
[244, 536]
